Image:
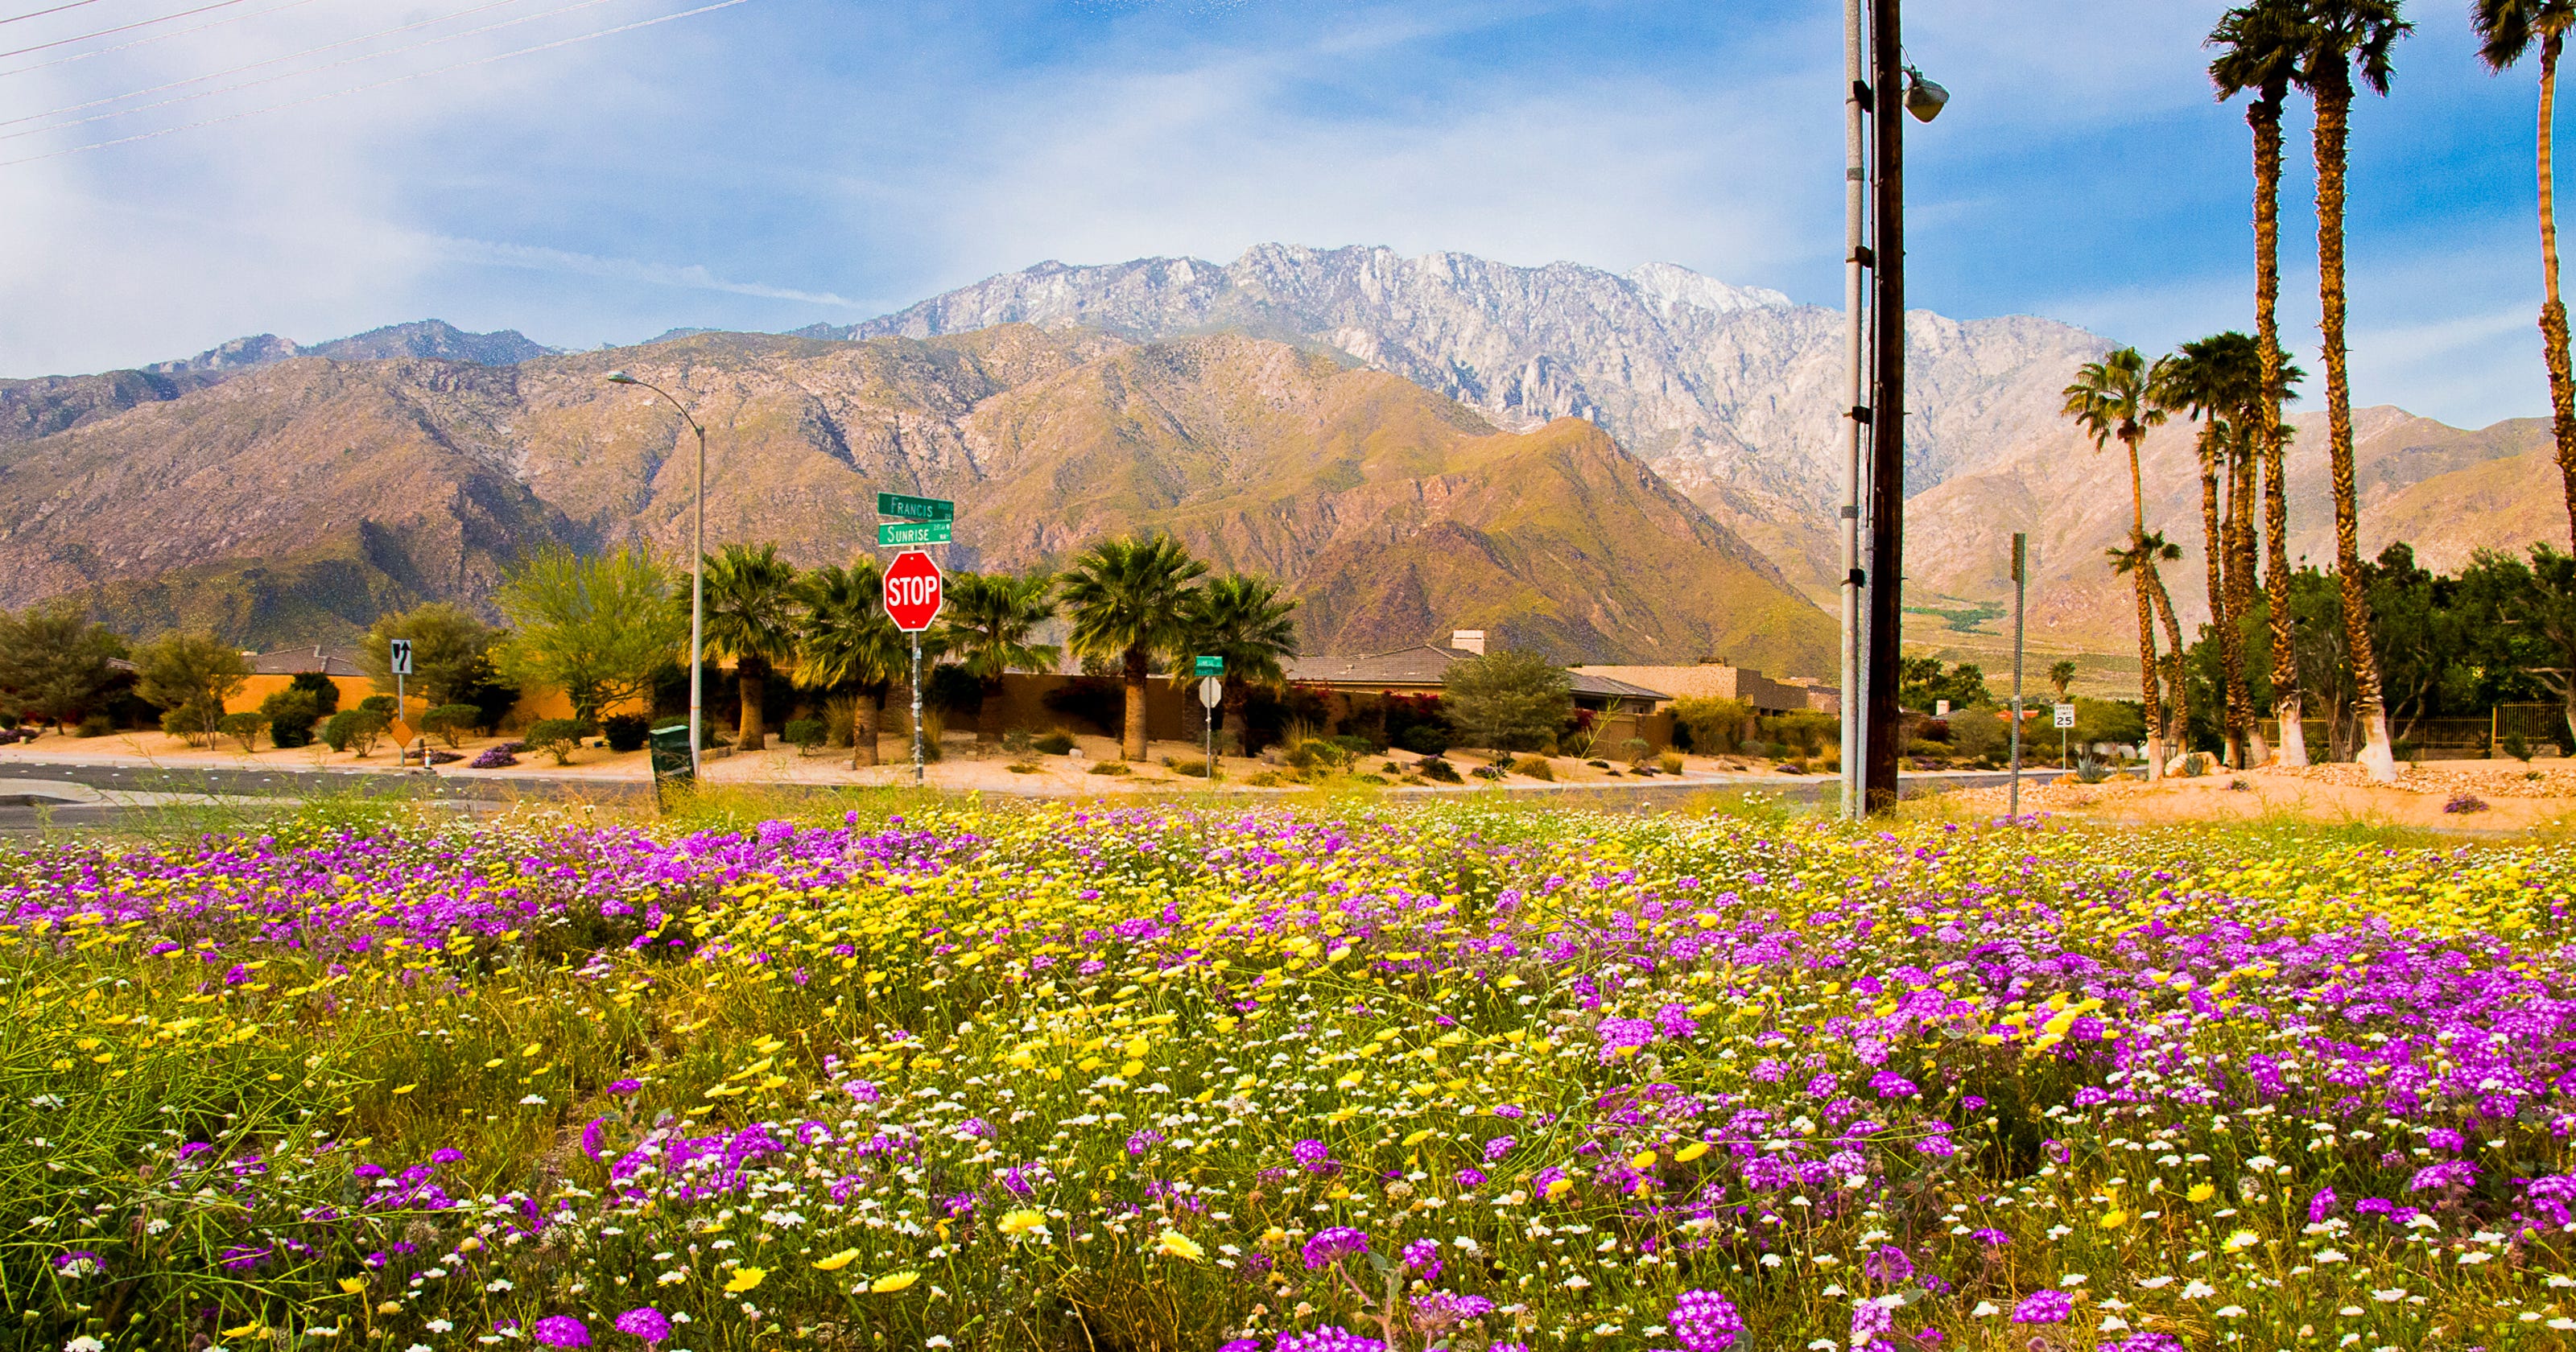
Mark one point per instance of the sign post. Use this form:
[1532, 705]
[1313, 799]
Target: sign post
[398, 656]
[1211, 674]
[2021, 588]
[914, 592]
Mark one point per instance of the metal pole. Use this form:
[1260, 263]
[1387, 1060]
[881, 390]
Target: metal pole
[2021, 592]
[402, 753]
[697, 602]
[1856, 113]
[1887, 409]
[916, 710]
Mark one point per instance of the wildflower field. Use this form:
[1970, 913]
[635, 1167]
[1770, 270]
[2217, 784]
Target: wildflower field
[1267, 1081]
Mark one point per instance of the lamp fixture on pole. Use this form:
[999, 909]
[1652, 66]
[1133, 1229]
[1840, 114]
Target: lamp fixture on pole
[697, 566]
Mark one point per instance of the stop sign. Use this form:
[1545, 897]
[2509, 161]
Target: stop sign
[913, 591]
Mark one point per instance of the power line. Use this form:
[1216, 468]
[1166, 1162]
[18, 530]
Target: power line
[157, 37]
[283, 75]
[120, 28]
[380, 84]
[40, 13]
[273, 60]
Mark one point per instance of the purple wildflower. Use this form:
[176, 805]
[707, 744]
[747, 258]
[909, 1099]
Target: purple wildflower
[560, 1330]
[646, 1323]
[1334, 1243]
[1888, 1265]
[1704, 1321]
[2049, 1306]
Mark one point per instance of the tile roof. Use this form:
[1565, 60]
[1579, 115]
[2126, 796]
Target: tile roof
[1424, 664]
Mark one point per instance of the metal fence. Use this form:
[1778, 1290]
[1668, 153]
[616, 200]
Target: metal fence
[2542, 728]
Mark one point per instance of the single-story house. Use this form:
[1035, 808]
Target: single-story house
[1626, 709]
[1717, 680]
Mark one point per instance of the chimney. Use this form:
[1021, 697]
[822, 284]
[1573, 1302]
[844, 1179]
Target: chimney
[1468, 640]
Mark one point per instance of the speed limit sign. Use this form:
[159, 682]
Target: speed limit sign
[2065, 716]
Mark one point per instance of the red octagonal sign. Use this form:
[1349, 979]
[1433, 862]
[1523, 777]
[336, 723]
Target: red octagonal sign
[914, 591]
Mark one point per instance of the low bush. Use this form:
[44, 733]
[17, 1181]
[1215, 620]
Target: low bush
[291, 714]
[1110, 768]
[187, 722]
[1056, 743]
[1437, 770]
[355, 730]
[1670, 762]
[1265, 779]
[627, 732]
[804, 734]
[1017, 742]
[1194, 768]
[557, 737]
[1535, 767]
[243, 728]
[381, 704]
[1315, 755]
[96, 725]
[450, 722]
[1022, 767]
[499, 757]
[2465, 802]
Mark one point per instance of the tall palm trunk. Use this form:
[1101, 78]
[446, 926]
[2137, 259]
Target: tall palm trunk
[2177, 695]
[2215, 553]
[2147, 672]
[2334, 108]
[1139, 670]
[751, 676]
[2553, 314]
[863, 728]
[988, 714]
[2156, 744]
[2240, 594]
[2265, 116]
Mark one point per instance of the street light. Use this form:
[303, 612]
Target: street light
[1922, 97]
[697, 563]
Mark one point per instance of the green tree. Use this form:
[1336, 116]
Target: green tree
[845, 642]
[750, 618]
[987, 628]
[2108, 399]
[2505, 30]
[53, 661]
[291, 714]
[1129, 599]
[600, 628]
[450, 653]
[190, 673]
[2344, 39]
[2061, 675]
[2259, 47]
[1244, 620]
[2524, 614]
[1507, 699]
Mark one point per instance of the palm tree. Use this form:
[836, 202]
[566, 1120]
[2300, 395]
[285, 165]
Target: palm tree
[2260, 44]
[2165, 719]
[1129, 599]
[2505, 30]
[846, 643]
[1243, 620]
[2062, 676]
[2217, 381]
[2109, 399]
[751, 618]
[986, 627]
[2341, 35]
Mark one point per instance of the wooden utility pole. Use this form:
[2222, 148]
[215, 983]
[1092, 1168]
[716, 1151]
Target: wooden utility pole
[1886, 510]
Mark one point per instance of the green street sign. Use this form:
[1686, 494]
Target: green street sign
[912, 533]
[916, 509]
[1210, 666]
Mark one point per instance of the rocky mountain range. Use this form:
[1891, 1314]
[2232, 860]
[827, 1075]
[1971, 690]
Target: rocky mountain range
[300, 498]
[275, 488]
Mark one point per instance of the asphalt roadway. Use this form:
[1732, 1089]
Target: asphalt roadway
[55, 797]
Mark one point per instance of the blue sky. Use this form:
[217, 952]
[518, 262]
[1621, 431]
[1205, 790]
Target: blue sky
[778, 162]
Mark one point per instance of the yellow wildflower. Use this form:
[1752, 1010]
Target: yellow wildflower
[745, 1278]
[1022, 1222]
[836, 1262]
[1173, 1244]
[892, 1282]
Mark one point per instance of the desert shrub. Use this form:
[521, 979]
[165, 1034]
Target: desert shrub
[499, 757]
[1021, 767]
[1634, 749]
[1317, 755]
[1978, 734]
[243, 728]
[1265, 779]
[1713, 726]
[188, 722]
[557, 737]
[952, 691]
[1109, 767]
[96, 725]
[1017, 742]
[2465, 802]
[1190, 766]
[1670, 762]
[1056, 743]
[1535, 767]
[291, 713]
[2091, 770]
[354, 730]
[626, 732]
[381, 704]
[804, 734]
[450, 722]
[1507, 699]
[1437, 770]
[2518, 747]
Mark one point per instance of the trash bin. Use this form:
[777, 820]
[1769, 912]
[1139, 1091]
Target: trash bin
[670, 752]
